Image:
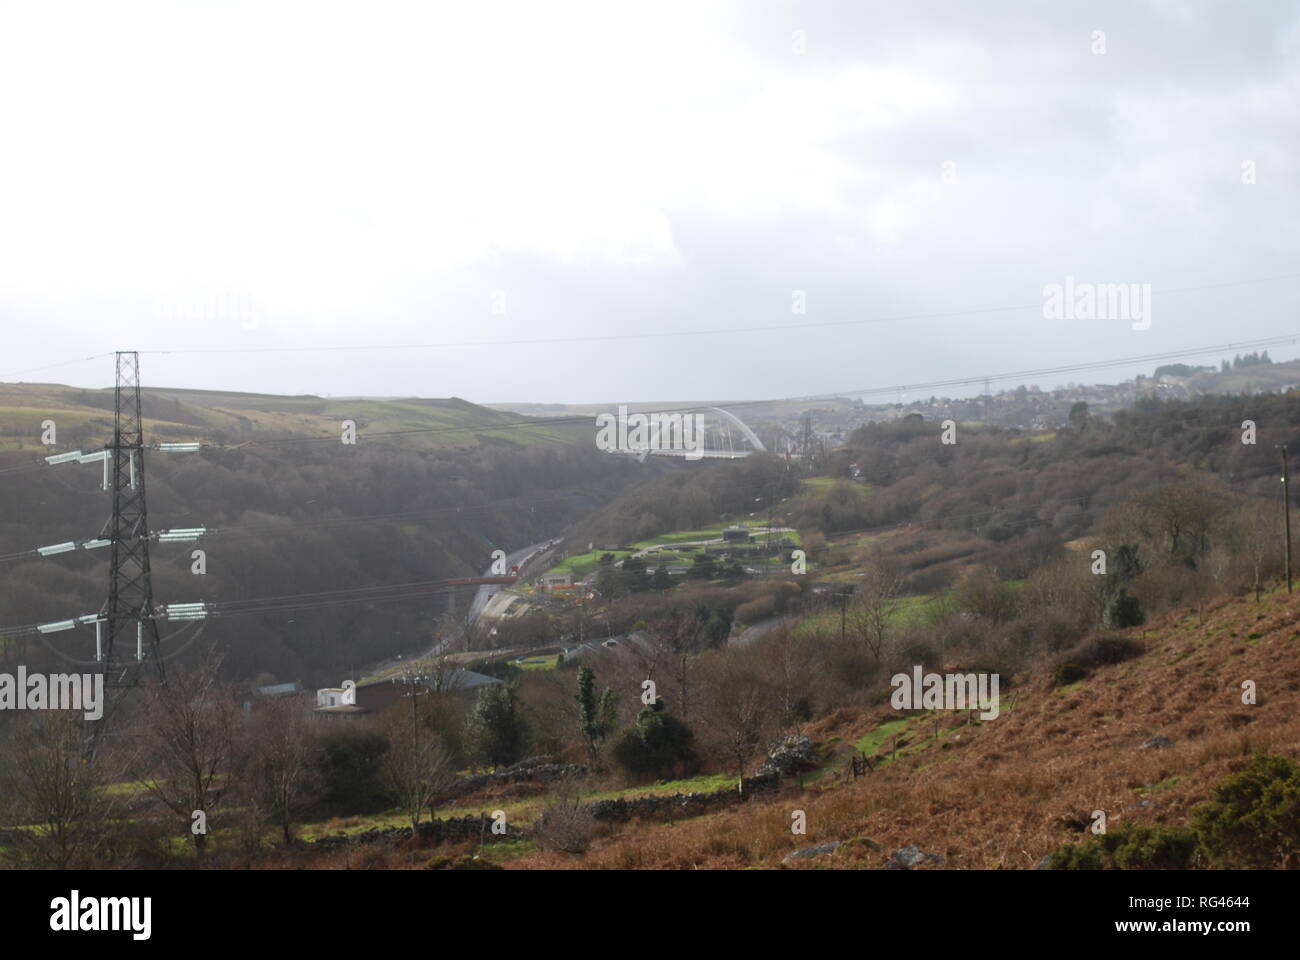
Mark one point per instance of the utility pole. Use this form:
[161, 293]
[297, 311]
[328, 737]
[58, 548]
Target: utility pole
[1286, 515]
[128, 611]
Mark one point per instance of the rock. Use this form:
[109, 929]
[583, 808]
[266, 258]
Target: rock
[816, 851]
[1042, 864]
[1156, 743]
[911, 857]
[789, 755]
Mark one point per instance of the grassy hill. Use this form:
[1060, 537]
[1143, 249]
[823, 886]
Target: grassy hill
[1006, 792]
[227, 418]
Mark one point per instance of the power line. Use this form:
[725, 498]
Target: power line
[662, 334]
[578, 420]
[955, 381]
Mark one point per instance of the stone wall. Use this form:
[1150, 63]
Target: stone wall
[666, 807]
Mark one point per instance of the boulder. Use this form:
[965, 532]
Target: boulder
[911, 857]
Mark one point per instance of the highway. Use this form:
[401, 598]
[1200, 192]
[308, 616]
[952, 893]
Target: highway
[488, 590]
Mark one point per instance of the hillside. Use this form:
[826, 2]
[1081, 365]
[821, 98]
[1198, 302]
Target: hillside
[85, 417]
[429, 490]
[1006, 792]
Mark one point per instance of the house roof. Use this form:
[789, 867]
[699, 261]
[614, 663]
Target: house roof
[279, 689]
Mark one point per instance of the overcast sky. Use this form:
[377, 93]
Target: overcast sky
[244, 176]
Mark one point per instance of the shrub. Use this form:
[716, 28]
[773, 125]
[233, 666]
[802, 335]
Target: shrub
[352, 760]
[1106, 650]
[756, 609]
[1129, 847]
[566, 825]
[495, 732]
[1067, 673]
[1253, 818]
[1136, 847]
[1122, 610]
[659, 744]
[1076, 856]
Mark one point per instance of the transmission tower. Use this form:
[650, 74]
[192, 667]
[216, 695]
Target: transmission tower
[132, 632]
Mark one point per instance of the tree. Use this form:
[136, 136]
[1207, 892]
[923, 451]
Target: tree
[50, 786]
[596, 718]
[1255, 533]
[189, 752]
[285, 758]
[717, 627]
[353, 758]
[703, 567]
[658, 744]
[495, 732]
[739, 713]
[1121, 609]
[417, 767]
[874, 604]
[1079, 415]
[607, 715]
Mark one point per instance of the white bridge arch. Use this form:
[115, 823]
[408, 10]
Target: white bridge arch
[724, 443]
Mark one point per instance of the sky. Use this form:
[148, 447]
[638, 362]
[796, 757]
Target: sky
[618, 202]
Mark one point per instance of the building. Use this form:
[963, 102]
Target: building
[334, 697]
[378, 695]
[736, 535]
[280, 689]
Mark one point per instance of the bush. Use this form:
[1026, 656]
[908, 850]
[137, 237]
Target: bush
[1106, 650]
[1122, 610]
[352, 759]
[495, 732]
[756, 609]
[1136, 847]
[567, 825]
[658, 745]
[1130, 847]
[1253, 818]
[1076, 856]
[1067, 673]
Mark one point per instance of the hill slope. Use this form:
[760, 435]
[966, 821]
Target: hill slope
[1006, 792]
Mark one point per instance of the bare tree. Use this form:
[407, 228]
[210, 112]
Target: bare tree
[51, 786]
[417, 767]
[789, 662]
[188, 750]
[874, 604]
[284, 764]
[739, 713]
[1257, 539]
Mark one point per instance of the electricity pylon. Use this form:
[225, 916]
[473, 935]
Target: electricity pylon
[128, 612]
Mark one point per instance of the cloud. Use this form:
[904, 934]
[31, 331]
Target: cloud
[265, 175]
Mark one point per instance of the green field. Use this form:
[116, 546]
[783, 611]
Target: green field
[582, 565]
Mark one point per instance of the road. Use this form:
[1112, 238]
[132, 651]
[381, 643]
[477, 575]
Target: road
[488, 590]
